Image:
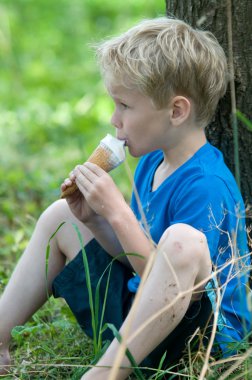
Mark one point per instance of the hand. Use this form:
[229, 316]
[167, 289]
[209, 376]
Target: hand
[76, 201]
[99, 190]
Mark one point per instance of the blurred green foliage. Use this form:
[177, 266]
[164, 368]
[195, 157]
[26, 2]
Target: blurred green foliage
[53, 111]
[53, 106]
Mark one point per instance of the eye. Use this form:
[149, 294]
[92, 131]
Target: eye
[125, 106]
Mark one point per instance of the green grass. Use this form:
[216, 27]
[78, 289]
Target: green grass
[50, 346]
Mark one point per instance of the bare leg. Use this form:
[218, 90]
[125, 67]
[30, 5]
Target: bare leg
[182, 260]
[26, 290]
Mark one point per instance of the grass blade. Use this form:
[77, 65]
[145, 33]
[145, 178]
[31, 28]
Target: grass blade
[244, 120]
[89, 288]
[137, 370]
[109, 268]
[48, 255]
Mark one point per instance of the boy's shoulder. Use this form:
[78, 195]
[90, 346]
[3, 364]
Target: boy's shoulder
[207, 161]
[205, 170]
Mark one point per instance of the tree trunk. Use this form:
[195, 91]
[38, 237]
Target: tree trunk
[212, 15]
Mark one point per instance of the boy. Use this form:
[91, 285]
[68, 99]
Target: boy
[165, 79]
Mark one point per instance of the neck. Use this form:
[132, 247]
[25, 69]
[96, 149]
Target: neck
[188, 145]
[177, 154]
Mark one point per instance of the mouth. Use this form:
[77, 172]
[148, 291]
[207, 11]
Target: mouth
[123, 139]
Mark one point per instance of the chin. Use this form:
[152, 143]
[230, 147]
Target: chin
[135, 153]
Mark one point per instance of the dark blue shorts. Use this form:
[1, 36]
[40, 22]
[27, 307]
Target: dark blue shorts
[71, 285]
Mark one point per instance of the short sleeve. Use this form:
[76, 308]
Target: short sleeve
[201, 204]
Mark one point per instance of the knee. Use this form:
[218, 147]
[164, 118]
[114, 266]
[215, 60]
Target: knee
[56, 213]
[184, 246]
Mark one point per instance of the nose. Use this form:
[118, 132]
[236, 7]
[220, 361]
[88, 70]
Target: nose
[115, 120]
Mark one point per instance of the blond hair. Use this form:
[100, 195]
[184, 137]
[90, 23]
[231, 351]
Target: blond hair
[164, 57]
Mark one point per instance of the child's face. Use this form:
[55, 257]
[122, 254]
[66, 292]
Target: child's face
[144, 127]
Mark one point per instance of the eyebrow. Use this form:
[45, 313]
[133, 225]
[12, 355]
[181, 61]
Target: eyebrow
[117, 98]
[124, 98]
[114, 93]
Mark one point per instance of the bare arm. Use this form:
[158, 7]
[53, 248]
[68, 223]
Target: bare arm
[105, 235]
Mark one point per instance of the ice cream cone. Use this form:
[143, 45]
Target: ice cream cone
[108, 155]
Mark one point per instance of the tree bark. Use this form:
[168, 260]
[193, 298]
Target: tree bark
[212, 15]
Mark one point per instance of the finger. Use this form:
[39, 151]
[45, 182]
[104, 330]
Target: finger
[71, 175]
[67, 182]
[84, 185]
[94, 168]
[82, 180]
[88, 173]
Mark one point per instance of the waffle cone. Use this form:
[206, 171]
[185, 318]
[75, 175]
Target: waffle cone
[103, 157]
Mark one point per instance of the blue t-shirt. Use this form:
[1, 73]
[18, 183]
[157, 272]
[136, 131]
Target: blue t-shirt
[202, 193]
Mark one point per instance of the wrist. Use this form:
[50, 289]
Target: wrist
[94, 221]
[123, 216]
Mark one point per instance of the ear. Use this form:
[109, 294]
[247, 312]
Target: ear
[181, 109]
